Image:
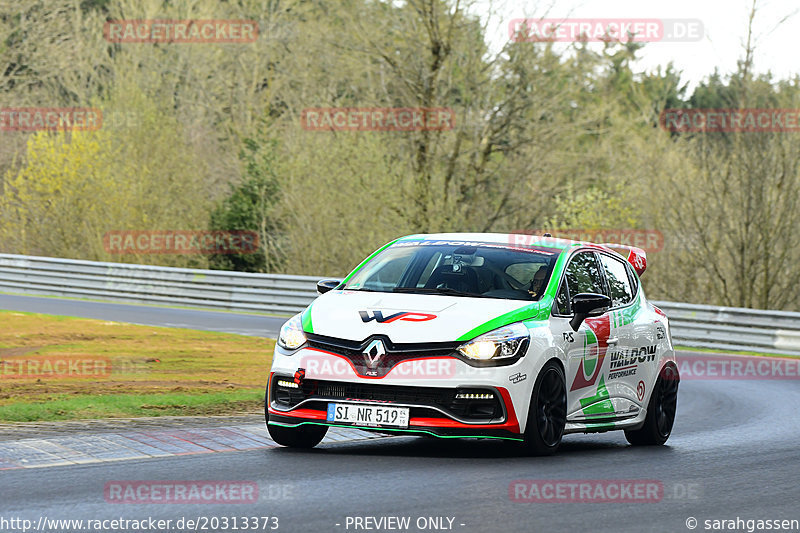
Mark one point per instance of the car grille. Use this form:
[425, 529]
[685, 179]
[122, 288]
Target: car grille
[353, 351]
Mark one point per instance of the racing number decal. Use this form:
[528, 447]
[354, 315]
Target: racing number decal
[594, 352]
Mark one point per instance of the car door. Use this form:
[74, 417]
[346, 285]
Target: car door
[587, 395]
[630, 351]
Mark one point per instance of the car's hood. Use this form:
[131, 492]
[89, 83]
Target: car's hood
[407, 318]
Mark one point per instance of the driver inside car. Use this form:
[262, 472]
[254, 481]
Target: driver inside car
[537, 282]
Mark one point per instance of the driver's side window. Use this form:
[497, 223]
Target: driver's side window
[583, 275]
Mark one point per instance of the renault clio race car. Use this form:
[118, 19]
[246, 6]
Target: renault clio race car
[509, 337]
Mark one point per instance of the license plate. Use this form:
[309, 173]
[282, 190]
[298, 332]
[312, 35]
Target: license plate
[368, 415]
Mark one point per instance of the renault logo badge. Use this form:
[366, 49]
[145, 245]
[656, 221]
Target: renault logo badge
[373, 353]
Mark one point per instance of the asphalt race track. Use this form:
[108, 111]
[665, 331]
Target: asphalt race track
[734, 453]
[173, 317]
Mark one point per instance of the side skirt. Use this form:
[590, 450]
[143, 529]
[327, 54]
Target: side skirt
[600, 426]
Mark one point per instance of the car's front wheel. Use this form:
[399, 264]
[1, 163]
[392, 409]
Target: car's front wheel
[660, 411]
[547, 414]
[304, 436]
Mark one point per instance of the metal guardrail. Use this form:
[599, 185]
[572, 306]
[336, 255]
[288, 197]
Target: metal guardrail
[121, 282]
[701, 326]
[733, 328]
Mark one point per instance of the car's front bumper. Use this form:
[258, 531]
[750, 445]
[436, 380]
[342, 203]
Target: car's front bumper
[415, 428]
[428, 388]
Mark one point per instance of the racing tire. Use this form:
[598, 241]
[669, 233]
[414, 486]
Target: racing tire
[547, 413]
[661, 409]
[304, 436]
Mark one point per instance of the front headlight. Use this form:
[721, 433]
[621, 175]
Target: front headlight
[292, 335]
[502, 343]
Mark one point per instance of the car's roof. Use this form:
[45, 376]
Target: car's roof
[517, 239]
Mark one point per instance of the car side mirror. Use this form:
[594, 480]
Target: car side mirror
[325, 285]
[584, 304]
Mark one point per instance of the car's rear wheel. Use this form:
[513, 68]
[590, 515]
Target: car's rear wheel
[661, 409]
[547, 414]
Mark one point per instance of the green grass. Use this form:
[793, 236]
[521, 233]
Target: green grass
[147, 371]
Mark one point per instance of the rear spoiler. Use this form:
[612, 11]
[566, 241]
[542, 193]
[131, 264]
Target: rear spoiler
[635, 256]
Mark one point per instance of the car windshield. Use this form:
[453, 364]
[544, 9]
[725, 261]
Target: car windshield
[480, 270]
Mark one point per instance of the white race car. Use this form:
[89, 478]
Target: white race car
[494, 336]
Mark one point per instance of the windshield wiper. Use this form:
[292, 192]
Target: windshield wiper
[438, 290]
